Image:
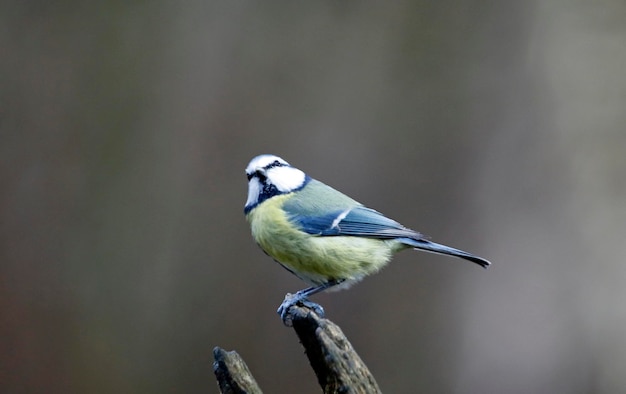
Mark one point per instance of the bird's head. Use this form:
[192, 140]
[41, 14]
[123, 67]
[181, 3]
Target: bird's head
[269, 176]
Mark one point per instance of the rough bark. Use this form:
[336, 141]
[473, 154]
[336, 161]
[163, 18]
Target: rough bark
[338, 367]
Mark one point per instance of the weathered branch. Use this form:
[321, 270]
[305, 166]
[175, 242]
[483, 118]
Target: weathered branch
[338, 367]
[232, 373]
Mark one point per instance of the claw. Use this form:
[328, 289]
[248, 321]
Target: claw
[296, 299]
[317, 308]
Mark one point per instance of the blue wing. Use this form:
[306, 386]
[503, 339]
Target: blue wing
[358, 221]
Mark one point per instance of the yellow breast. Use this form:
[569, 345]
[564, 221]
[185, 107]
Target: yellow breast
[315, 259]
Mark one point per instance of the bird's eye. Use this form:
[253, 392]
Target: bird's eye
[257, 174]
[261, 176]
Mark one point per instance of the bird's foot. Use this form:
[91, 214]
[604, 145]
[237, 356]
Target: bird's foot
[297, 299]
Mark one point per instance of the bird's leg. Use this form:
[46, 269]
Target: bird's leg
[301, 297]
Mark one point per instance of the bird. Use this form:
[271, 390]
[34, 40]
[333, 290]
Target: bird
[325, 238]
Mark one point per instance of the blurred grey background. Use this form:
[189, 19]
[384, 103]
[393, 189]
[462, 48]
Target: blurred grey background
[492, 126]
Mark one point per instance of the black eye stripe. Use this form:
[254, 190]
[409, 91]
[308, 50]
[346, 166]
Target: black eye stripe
[256, 174]
[273, 164]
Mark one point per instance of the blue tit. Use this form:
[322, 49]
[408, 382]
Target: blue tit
[319, 234]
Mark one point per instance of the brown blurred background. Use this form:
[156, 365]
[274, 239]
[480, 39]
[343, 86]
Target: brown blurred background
[492, 126]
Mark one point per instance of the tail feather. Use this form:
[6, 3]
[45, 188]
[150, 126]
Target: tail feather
[433, 247]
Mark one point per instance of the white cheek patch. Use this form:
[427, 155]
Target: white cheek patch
[254, 190]
[286, 179]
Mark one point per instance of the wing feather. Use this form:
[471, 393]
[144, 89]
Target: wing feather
[358, 221]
